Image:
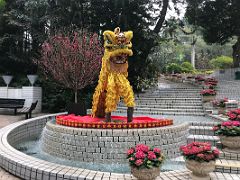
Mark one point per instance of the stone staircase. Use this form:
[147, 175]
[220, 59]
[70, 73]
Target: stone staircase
[168, 99]
[202, 131]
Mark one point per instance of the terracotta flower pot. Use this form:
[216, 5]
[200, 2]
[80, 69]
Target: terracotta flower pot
[146, 174]
[231, 143]
[208, 98]
[200, 170]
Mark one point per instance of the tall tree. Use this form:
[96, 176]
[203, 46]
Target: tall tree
[73, 61]
[22, 32]
[220, 21]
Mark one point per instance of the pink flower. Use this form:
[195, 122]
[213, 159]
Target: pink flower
[235, 123]
[216, 152]
[157, 150]
[130, 151]
[139, 162]
[142, 147]
[151, 155]
[140, 155]
[200, 156]
[227, 123]
[131, 159]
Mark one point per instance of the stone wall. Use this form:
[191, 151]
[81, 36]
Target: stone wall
[107, 145]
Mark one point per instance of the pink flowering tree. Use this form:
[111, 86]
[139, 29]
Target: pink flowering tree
[73, 61]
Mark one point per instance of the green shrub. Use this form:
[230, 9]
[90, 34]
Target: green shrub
[187, 67]
[222, 62]
[174, 68]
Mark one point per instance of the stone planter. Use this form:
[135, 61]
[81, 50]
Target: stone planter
[208, 98]
[231, 143]
[200, 170]
[145, 174]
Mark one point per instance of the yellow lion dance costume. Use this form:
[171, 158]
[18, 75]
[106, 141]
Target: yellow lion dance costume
[113, 82]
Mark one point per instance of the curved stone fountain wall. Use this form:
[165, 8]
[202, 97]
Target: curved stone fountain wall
[28, 167]
[110, 145]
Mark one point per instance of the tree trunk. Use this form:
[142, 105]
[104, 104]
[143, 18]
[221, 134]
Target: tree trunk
[75, 94]
[193, 55]
[151, 42]
[193, 52]
[236, 53]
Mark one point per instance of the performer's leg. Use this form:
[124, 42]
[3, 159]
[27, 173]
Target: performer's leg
[111, 96]
[126, 92]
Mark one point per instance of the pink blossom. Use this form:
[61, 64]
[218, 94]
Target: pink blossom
[139, 162]
[130, 151]
[131, 159]
[235, 123]
[151, 155]
[157, 150]
[142, 147]
[216, 152]
[200, 156]
[140, 155]
[227, 123]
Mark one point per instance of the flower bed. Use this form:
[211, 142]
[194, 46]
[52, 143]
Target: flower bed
[208, 92]
[199, 151]
[234, 115]
[228, 128]
[142, 156]
[119, 122]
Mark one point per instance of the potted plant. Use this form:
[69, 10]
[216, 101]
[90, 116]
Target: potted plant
[229, 133]
[200, 158]
[220, 105]
[234, 115]
[208, 95]
[145, 162]
[211, 83]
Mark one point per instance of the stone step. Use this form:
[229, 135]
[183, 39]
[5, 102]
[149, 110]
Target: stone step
[161, 110]
[168, 103]
[211, 124]
[201, 130]
[229, 155]
[162, 113]
[213, 140]
[169, 99]
[228, 166]
[170, 106]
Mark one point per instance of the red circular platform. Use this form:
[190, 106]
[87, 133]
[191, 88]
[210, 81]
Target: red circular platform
[118, 122]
